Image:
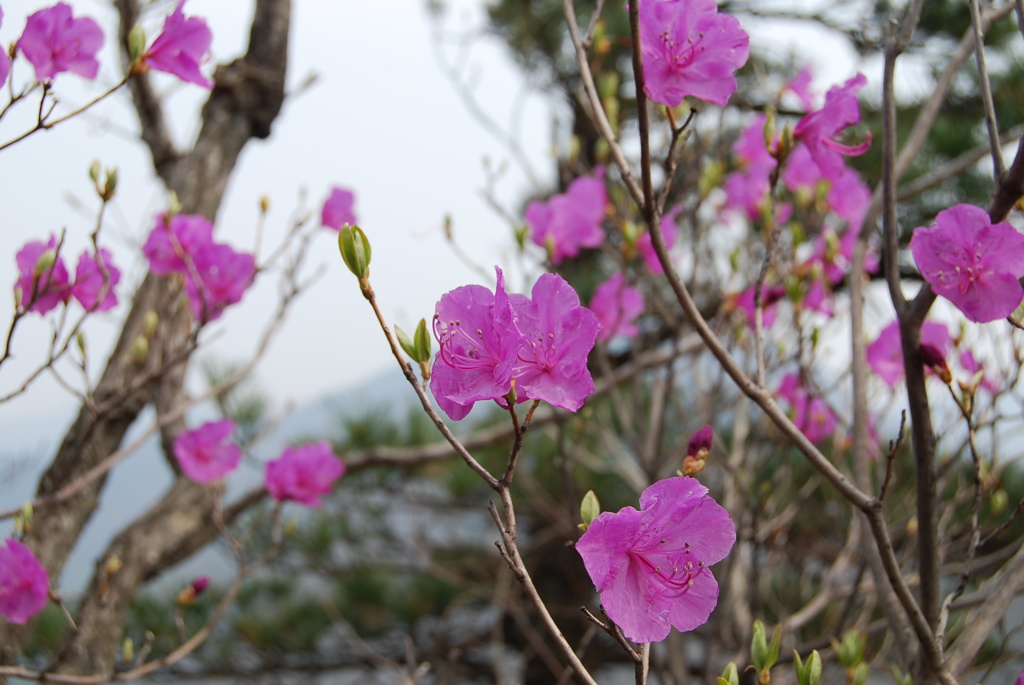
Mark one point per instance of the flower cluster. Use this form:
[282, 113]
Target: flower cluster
[215, 275]
[972, 262]
[55, 41]
[570, 221]
[303, 474]
[688, 48]
[492, 344]
[652, 566]
[809, 413]
[44, 282]
[24, 583]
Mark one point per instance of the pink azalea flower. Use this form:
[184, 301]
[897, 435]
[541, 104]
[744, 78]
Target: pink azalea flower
[688, 48]
[169, 243]
[885, 354]
[770, 295]
[1020, 679]
[24, 583]
[801, 172]
[811, 415]
[5, 60]
[223, 277]
[849, 197]
[570, 221]
[818, 129]
[972, 367]
[747, 188]
[40, 288]
[491, 343]
[206, 453]
[801, 87]
[91, 281]
[303, 474]
[339, 209]
[669, 232]
[617, 307]
[971, 262]
[54, 41]
[652, 566]
[835, 255]
[559, 334]
[479, 343]
[181, 47]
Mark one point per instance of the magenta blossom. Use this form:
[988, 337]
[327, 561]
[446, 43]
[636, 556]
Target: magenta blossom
[206, 453]
[339, 209]
[688, 48]
[494, 343]
[973, 368]
[885, 354]
[219, 278]
[1020, 679]
[171, 242]
[971, 262]
[800, 86]
[700, 442]
[570, 221]
[303, 474]
[54, 41]
[43, 281]
[181, 47]
[849, 197]
[669, 233]
[5, 60]
[617, 307]
[24, 583]
[479, 344]
[770, 296]
[559, 334]
[801, 173]
[747, 188]
[810, 414]
[818, 129]
[95, 281]
[652, 566]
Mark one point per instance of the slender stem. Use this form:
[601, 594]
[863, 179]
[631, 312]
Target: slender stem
[998, 168]
[43, 125]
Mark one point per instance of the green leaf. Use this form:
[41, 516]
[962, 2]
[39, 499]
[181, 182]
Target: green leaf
[406, 343]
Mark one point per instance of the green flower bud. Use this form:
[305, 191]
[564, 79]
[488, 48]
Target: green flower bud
[590, 509]
[355, 250]
[140, 348]
[94, 172]
[80, 341]
[109, 185]
[763, 654]
[730, 676]
[422, 342]
[808, 673]
[44, 263]
[150, 322]
[127, 650]
[136, 44]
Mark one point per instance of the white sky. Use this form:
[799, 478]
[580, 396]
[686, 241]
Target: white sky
[382, 120]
